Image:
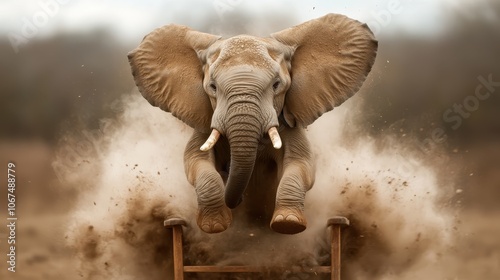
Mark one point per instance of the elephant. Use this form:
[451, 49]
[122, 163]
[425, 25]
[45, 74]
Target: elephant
[249, 100]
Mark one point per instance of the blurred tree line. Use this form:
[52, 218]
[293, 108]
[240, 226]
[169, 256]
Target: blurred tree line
[418, 80]
[67, 79]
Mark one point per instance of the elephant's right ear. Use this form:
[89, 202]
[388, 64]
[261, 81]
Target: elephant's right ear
[169, 74]
[333, 55]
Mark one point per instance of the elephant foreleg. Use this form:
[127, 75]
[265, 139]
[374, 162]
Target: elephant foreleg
[297, 179]
[213, 214]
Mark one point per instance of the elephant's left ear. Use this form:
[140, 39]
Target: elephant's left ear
[169, 73]
[333, 55]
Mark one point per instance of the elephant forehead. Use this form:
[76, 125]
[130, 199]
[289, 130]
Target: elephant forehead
[241, 50]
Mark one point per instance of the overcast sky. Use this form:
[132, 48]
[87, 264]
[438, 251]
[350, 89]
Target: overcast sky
[132, 19]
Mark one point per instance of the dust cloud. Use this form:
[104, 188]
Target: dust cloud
[132, 178]
[399, 211]
[129, 181]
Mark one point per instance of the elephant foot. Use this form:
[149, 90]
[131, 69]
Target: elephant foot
[288, 220]
[214, 220]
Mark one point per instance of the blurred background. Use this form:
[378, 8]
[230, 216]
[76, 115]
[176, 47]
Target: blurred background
[435, 86]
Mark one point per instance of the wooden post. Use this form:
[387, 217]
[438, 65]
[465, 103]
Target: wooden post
[336, 224]
[176, 225]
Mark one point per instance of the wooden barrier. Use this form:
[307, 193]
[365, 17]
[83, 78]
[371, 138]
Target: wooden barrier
[336, 224]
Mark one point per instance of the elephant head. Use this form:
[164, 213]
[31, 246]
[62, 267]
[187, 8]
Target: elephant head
[246, 88]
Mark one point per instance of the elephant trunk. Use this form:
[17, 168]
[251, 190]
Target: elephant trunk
[244, 133]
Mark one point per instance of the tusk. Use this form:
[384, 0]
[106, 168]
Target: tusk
[212, 139]
[275, 137]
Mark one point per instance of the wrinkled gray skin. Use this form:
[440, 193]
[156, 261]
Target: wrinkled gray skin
[242, 86]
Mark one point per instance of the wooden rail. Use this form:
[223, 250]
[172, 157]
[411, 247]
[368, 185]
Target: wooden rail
[336, 224]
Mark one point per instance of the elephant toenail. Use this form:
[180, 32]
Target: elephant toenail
[292, 218]
[205, 228]
[218, 227]
[279, 218]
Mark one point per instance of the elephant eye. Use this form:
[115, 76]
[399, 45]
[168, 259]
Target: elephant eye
[213, 87]
[276, 85]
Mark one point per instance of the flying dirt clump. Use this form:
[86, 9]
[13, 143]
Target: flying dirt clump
[134, 179]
